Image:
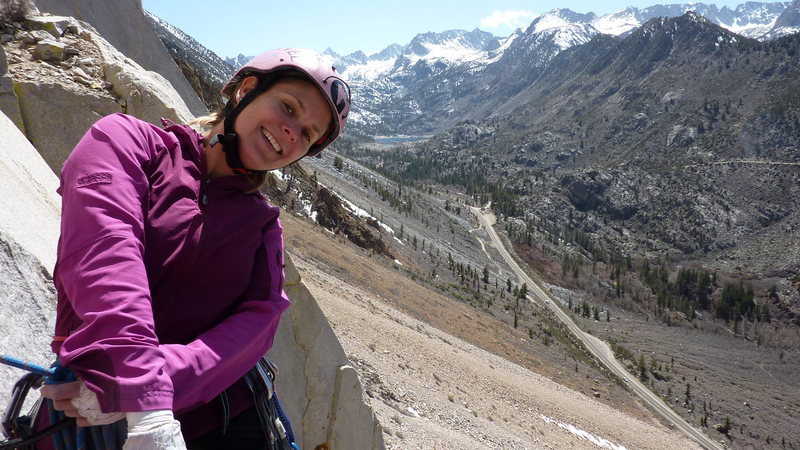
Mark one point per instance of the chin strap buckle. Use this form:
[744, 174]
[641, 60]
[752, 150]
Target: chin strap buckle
[217, 139]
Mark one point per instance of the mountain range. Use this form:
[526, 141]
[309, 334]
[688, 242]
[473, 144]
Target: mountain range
[420, 88]
[439, 78]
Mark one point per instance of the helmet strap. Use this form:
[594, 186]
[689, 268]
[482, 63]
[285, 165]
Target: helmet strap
[230, 140]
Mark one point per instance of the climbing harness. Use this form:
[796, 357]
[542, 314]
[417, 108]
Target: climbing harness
[274, 423]
[22, 434]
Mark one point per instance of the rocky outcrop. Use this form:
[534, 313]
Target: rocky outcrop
[125, 27]
[144, 94]
[320, 391]
[333, 216]
[84, 79]
[9, 104]
[611, 193]
[299, 191]
[585, 192]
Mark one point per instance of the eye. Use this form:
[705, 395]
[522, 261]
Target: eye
[306, 136]
[289, 108]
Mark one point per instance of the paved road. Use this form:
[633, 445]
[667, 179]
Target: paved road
[599, 349]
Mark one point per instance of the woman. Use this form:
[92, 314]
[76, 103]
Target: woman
[170, 263]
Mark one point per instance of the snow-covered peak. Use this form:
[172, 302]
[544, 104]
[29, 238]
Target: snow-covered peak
[392, 51]
[751, 19]
[460, 42]
[368, 70]
[563, 27]
[548, 21]
[759, 13]
[446, 59]
[787, 23]
[619, 22]
[495, 54]
[559, 18]
[360, 66]
[329, 52]
[572, 35]
[238, 61]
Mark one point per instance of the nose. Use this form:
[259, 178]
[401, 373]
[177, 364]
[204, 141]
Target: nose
[292, 131]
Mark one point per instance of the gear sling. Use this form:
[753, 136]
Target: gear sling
[23, 433]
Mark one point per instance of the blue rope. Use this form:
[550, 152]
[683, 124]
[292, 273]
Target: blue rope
[30, 367]
[54, 375]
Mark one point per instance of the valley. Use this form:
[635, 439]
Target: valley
[440, 374]
[725, 372]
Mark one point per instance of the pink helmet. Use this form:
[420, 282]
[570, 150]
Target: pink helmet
[312, 65]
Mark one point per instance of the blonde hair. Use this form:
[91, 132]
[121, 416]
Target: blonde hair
[205, 123]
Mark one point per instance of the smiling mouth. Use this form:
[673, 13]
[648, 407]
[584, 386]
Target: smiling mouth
[271, 140]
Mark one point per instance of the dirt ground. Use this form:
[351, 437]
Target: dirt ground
[440, 374]
[757, 388]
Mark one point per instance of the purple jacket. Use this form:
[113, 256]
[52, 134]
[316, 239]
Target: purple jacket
[170, 285]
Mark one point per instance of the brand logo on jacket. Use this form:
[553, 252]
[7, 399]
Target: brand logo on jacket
[95, 178]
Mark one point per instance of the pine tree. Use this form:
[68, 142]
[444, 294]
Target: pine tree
[688, 394]
[642, 368]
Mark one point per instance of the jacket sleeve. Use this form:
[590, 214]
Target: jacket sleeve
[222, 355]
[101, 272]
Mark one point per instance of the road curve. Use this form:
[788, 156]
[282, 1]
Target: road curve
[599, 349]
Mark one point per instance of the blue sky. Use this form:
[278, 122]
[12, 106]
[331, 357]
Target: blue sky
[249, 27]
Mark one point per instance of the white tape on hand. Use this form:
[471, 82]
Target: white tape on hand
[88, 407]
[153, 430]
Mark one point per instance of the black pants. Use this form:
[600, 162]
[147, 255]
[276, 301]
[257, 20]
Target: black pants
[244, 433]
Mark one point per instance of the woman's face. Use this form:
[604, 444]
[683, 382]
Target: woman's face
[280, 125]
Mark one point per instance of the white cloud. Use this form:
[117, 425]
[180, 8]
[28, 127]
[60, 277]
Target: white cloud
[508, 18]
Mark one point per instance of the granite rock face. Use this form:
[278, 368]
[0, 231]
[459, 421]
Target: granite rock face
[54, 113]
[319, 389]
[30, 206]
[29, 228]
[9, 104]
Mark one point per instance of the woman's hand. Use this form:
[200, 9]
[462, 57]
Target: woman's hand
[62, 395]
[76, 400]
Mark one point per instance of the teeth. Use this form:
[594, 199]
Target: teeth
[271, 140]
